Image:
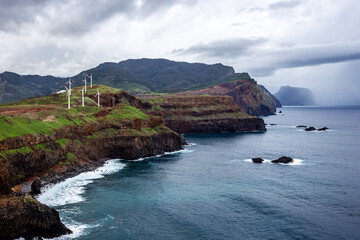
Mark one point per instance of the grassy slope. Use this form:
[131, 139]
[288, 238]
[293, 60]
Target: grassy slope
[44, 115]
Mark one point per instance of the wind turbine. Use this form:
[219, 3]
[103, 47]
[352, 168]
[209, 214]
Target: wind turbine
[85, 83]
[68, 94]
[98, 95]
[69, 85]
[82, 97]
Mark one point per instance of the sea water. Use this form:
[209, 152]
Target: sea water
[212, 190]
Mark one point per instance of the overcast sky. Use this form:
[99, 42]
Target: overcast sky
[304, 43]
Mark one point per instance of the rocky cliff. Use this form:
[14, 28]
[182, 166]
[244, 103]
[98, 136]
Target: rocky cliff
[276, 101]
[202, 114]
[23, 216]
[40, 137]
[246, 94]
[295, 96]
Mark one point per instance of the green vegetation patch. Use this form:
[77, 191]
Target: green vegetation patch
[22, 150]
[62, 141]
[71, 157]
[123, 112]
[16, 126]
[40, 146]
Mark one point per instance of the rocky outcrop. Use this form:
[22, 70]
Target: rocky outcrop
[23, 216]
[36, 186]
[203, 114]
[283, 159]
[246, 94]
[257, 160]
[310, 129]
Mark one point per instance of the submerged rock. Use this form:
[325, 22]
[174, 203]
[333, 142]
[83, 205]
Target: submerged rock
[23, 216]
[36, 186]
[310, 129]
[323, 129]
[301, 126]
[257, 160]
[283, 159]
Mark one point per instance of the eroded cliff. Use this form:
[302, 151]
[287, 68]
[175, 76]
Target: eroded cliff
[202, 114]
[246, 94]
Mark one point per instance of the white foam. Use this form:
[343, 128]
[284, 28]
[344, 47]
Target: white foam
[191, 144]
[70, 191]
[164, 154]
[296, 162]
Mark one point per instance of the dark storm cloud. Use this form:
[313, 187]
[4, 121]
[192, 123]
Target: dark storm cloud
[15, 12]
[305, 57]
[229, 48]
[74, 17]
[283, 4]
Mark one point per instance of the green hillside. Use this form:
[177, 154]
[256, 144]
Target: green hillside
[134, 76]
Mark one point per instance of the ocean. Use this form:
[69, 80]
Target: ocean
[212, 190]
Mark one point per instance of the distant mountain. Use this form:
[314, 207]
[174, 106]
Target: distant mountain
[141, 76]
[273, 98]
[161, 75]
[134, 76]
[295, 96]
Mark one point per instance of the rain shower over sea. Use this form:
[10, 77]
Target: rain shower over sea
[210, 190]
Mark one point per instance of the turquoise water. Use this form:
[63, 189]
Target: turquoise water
[212, 191]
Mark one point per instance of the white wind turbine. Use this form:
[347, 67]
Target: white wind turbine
[98, 95]
[82, 97]
[85, 83]
[70, 83]
[68, 94]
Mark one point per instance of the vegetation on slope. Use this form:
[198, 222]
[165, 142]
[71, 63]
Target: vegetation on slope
[133, 76]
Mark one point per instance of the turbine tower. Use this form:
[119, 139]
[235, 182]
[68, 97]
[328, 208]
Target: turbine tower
[82, 97]
[85, 83]
[98, 95]
[68, 94]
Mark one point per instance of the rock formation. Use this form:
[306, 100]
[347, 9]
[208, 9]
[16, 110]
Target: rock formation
[246, 94]
[257, 160]
[23, 216]
[283, 159]
[203, 114]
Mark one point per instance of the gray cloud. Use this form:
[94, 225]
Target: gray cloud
[14, 13]
[306, 56]
[74, 17]
[228, 48]
[284, 4]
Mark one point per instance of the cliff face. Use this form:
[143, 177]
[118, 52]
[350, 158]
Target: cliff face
[295, 96]
[276, 101]
[23, 216]
[246, 94]
[203, 114]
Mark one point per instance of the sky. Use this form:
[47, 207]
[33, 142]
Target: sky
[302, 43]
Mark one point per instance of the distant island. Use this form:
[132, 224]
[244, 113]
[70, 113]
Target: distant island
[295, 96]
